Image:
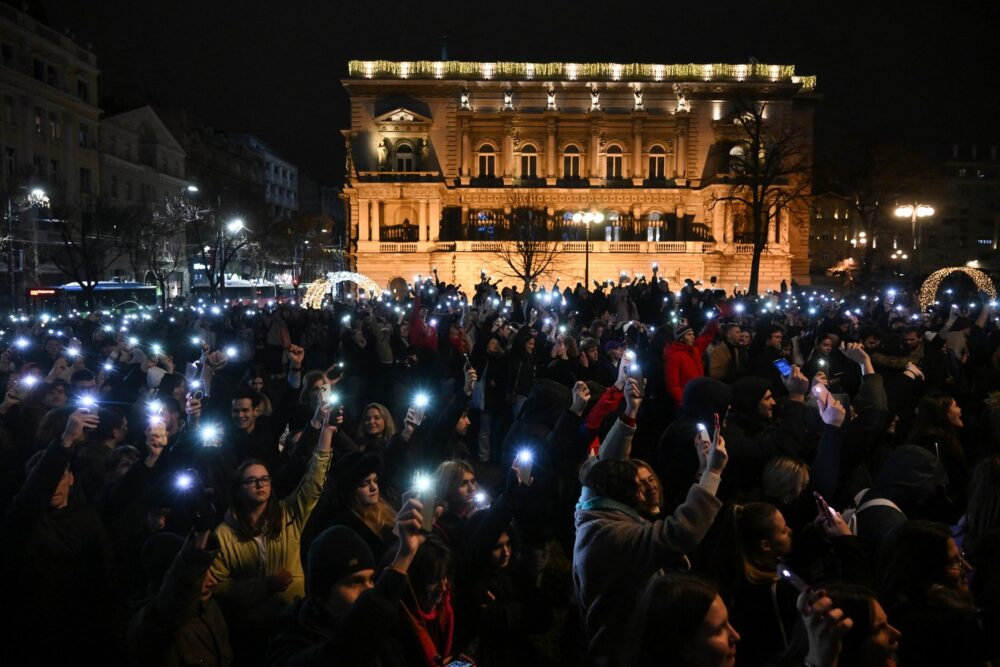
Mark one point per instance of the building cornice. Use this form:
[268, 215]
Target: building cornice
[584, 72]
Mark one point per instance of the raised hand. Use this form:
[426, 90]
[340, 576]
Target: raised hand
[80, 421]
[796, 383]
[826, 626]
[581, 396]
[295, 356]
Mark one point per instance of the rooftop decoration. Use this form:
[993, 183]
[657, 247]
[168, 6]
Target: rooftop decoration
[508, 71]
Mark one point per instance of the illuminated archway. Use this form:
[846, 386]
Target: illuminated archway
[930, 287]
[318, 290]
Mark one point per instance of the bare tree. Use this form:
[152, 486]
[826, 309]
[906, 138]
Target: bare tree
[90, 242]
[769, 173]
[867, 176]
[531, 252]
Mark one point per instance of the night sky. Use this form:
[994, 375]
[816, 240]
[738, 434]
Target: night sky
[922, 74]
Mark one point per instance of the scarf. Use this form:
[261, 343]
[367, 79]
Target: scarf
[433, 630]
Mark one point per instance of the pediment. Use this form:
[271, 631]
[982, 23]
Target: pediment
[402, 116]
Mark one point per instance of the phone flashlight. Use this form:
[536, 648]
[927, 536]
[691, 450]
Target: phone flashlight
[108, 366]
[209, 433]
[231, 352]
[184, 481]
[523, 463]
[421, 401]
[133, 341]
[334, 399]
[87, 401]
[22, 343]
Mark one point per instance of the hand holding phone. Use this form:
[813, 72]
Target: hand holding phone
[785, 574]
[783, 367]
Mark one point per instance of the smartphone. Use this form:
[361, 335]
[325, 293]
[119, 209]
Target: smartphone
[822, 394]
[795, 580]
[468, 362]
[426, 497]
[783, 367]
[823, 507]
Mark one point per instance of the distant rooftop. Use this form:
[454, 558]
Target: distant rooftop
[456, 69]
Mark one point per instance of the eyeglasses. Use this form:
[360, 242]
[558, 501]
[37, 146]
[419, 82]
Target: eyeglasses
[257, 481]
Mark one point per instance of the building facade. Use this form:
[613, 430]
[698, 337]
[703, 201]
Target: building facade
[968, 219]
[48, 132]
[142, 165]
[440, 155]
[281, 178]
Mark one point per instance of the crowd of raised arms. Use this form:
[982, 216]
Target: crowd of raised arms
[638, 474]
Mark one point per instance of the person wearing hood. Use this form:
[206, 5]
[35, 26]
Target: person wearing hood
[617, 551]
[676, 461]
[358, 501]
[259, 568]
[910, 485]
[755, 434]
[683, 359]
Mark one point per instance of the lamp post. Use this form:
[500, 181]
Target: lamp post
[36, 197]
[587, 217]
[914, 212]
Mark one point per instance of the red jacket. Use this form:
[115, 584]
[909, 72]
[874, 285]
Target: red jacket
[422, 334]
[682, 363]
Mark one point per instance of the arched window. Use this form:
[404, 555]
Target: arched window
[613, 162]
[529, 162]
[571, 162]
[404, 158]
[657, 162]
[487, 161]
[738, 159]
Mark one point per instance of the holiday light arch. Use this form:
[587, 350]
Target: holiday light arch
[318, 290]
[930, 287]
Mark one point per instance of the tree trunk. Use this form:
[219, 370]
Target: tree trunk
[162, 282]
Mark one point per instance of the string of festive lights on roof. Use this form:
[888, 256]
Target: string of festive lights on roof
[449, 69]
[929, 290]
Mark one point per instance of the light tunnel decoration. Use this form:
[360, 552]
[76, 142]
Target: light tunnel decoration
[318, 290]
[929, 290]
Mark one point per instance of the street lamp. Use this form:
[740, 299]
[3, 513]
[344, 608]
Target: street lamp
[235, 225]
[587, 217]
[36, 197]
[913, 212]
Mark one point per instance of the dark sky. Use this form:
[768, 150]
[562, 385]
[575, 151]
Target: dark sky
[923, 74]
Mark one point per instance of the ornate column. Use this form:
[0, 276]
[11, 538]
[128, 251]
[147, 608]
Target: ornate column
[508, 148]
[375, 219]
[435, 231]
[466, 150]
[363, 219]
[680, 155]
[422, 219]
[637, 175]
[550, 152]
[593, 153]
[719, 223]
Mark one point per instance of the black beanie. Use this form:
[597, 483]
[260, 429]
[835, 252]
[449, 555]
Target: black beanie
[348, 472]
[335, 553]
[158, 554]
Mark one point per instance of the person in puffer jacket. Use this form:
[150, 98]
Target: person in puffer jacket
[683, 359]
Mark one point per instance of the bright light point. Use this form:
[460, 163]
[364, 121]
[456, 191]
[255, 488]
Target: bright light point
[231, 352]
[235, 225]
[184, 481]
[422, 400]
[154, 407]
[87, 401]
[194, 384]
[133, 340]
[334, 399]
[209, 433]
[195, 340]
[480, 497]
[421, 483]
[738, 308]
[525, 456]
[21, 343]
[108, 366]
[30, 380]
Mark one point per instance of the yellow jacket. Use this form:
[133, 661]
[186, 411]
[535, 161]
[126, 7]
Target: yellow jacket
[242, 576]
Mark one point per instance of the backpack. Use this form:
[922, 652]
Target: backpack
[851, 514]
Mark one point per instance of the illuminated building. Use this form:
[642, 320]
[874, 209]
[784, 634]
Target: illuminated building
[439, 154]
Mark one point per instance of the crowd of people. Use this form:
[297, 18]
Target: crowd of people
[634, 474]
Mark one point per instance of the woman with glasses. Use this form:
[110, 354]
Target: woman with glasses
[259, 568]
[926, 591]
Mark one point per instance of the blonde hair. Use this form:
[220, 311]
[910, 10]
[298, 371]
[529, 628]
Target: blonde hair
[448, 477]
[782, 477]
[390, 424]
[377, 517]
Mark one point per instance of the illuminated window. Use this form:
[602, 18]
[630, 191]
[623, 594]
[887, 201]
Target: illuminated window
[487, 161]
[657, 162]
[529, 162]
[404, 158]
[571, 162]
[613, 162]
